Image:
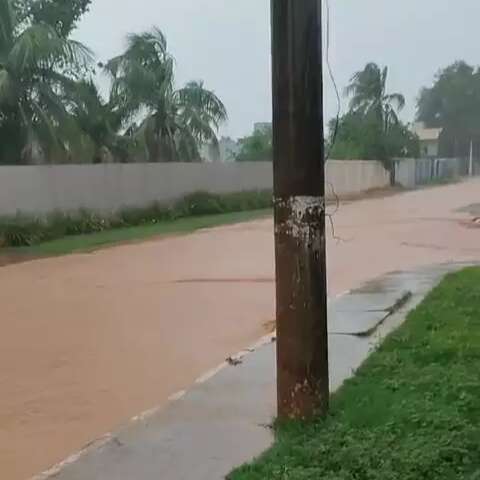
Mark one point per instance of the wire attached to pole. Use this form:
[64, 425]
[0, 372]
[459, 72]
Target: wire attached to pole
[334, 82]
[337, 121]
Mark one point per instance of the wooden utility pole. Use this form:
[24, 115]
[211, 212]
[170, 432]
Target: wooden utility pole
[299, 190]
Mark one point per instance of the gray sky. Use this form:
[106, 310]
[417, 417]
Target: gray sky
[227, 44]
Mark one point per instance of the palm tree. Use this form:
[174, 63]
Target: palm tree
[34, 65]
[175, 123]
[100, 121]
[368, 88]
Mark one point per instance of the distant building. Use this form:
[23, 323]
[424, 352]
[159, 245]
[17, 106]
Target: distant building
[429, 139]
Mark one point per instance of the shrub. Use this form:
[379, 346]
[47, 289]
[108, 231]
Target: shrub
[23, 230]
[238, 202]
[200, 203]
[17, 232]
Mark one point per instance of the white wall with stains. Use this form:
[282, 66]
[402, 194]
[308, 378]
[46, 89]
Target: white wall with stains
[351, 177]
[40, 189]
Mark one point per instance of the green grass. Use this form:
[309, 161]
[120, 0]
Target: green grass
[412, 411]
[24, 235]
[76, 243]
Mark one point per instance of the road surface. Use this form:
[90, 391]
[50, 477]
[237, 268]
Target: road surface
[88, 341]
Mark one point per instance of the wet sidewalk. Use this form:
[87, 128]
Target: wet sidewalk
[224, 420]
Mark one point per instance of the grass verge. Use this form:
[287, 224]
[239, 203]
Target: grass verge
[411, 412]
[92, 241]
[65, 232]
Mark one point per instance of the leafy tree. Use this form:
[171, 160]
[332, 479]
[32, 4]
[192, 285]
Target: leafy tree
[453, 103]
[63, 15]
[257, 147]
[175, 122]
[51, 109]
[371, 130]
[34, 60]
[360, 136]
[401, 142]
[368, 89]
[99, 120]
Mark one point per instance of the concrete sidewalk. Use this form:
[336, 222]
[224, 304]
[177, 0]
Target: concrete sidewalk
[223, 421]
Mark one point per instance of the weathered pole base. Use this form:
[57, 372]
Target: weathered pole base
[302, 342]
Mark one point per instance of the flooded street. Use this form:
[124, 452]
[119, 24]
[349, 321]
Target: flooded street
[90, 340]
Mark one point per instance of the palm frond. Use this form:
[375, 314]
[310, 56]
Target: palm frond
[7, 25]
[187, 146]
[78, 53]
[147, 45]
[112, 67]
[143, 75]
[396, 99]
[40, 46]
[7, 95]
[195, 96]
[144, 136]
[177, 122]
[51, 102]
[368, 90]
[383, 80]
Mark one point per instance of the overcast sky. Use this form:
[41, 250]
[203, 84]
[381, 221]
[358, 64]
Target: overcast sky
[227, 44]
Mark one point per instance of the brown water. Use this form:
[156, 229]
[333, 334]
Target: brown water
[88, 341]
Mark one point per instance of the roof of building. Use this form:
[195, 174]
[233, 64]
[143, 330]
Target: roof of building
[427, 134]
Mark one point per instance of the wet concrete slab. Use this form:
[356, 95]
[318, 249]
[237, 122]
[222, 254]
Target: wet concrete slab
[199, 436]
[364, 309]
[355, 322]
[359, 300]
[224, 420]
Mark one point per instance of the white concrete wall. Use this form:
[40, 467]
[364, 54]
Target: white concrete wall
[405, 172]
[410, 173]
[42, 189]
[350, 177]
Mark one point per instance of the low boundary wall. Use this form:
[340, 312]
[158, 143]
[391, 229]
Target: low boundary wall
[40, 189]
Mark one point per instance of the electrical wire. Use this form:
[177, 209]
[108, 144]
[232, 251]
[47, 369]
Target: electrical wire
[330, 215]
[334, 82]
